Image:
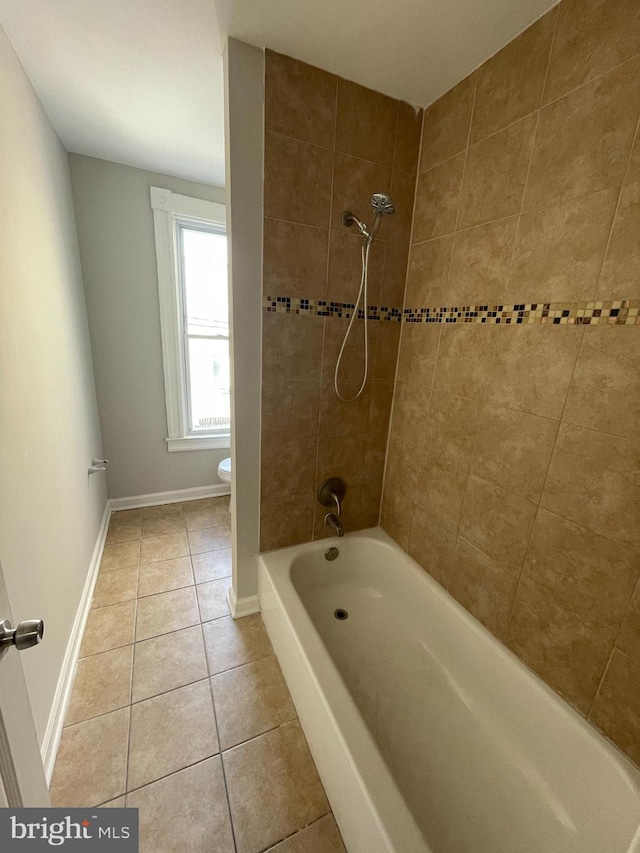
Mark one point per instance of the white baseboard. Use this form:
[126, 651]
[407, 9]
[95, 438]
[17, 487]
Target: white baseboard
[239, 607]
[176, 496]
[53, 733]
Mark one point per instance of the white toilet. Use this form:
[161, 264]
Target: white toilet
[224, 470]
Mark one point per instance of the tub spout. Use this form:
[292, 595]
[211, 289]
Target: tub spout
[333, 522]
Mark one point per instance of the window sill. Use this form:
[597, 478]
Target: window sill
[199, 442]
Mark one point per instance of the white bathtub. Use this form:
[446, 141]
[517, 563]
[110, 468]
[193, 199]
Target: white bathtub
[429, 735]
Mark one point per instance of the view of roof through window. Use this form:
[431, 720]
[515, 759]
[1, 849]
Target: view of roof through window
[204, 267]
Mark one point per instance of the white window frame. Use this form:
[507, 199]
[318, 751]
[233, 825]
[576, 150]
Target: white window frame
[169, 210]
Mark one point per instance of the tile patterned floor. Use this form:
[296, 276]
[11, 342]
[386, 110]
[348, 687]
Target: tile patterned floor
[180, 711]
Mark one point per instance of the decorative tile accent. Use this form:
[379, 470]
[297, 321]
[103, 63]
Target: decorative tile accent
[623, 312]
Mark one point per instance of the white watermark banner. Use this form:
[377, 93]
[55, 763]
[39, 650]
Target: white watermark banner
[79, 830]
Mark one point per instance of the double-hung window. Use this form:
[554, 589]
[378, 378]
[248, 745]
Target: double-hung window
[191, 249]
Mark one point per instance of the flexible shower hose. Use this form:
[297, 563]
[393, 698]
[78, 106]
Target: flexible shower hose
[366, 245]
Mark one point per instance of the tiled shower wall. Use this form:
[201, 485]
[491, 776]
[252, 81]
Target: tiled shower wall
[329, 145]
[513, 464]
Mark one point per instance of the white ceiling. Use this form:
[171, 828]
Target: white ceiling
[414, 50]
[140, 82]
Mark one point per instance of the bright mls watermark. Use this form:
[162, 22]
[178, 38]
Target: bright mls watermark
[86, 830]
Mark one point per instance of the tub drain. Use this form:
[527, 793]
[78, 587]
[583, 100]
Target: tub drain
[341, 614]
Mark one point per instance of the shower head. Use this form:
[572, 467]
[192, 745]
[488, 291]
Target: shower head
[381, 203]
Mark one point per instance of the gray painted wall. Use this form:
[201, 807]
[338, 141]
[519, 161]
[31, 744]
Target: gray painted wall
[115, 230]
[50, 509]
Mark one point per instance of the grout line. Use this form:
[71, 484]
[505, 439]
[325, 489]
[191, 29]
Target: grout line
[297, 831]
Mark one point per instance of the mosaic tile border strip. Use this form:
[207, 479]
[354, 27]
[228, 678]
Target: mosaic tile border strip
[621, 312]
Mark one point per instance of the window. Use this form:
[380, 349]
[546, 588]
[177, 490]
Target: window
[191, 249]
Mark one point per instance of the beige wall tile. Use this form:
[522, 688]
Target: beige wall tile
[410, 410]
[395, 516]
[592, 37]
[286, 520]
[386, 355]
[633, 168]
[403, 465]
[582, 572]
[102, 684]
[498, 523]
[338, 418]
[251, 700]
[289, 408]
[198, 792]
[291, 466]
[114, 587]
[91, 766]
[397, 228]
[620, 277]
[345, 267]
[513, 450]
[341, 457]
[605, 389]
[292, 346]
[322, 836]
[628, 639]
[446, 124]
[232, 642]
[408, 138]
[170, 732]
[432, 545]
[396, 258]
[297, 181]
[166, 612]
[532, 368]
[294, 259]
[354, 182]
[496, 173]
[452, 426]
[559, 250]
[366, 123]
[483, 588]
[300, 100]
[480, 263]
[617, 707]
[211, 565]
[440, 491]
[510, 84]
[169, 547]
[417, 356]
[167, 662]
[464, 360]
[583, 140]
[273, 787]
[437, 196]
[428, 273]
[556, 645]
[109, 628]
[593, 480]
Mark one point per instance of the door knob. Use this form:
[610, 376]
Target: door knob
[26, 634]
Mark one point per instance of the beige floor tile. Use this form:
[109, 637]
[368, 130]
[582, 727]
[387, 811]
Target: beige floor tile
[123, 529]
[92, 762]
[210, 539]
[206, 503]
[232, 642]
[118, 803]
[206, 517]
[212, 565]
[120, 556]
[166, 612]
[170, 732]
[187, 811]
[109, 628]
[164, 548]
[274, 789]
[102, 684]
[163, 525]
[166, 662]
[164, 576]
[161, 509]
[250, 700]
[212, 599]
[116, 586]
[323, 836]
